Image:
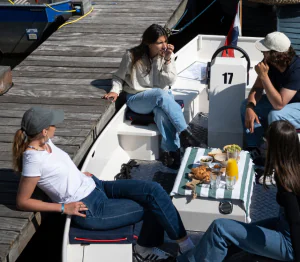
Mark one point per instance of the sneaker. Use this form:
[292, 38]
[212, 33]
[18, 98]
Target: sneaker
[154, 254]
[270, 180]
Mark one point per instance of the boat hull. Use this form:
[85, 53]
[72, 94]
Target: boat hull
[22, 27]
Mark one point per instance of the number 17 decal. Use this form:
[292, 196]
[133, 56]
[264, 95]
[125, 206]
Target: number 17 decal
[226, 78]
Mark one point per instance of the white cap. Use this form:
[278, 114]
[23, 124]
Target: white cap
[276, 41]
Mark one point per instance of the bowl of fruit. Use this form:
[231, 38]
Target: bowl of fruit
[232, 151]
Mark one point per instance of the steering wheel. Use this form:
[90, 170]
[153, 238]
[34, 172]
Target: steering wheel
[238, 49]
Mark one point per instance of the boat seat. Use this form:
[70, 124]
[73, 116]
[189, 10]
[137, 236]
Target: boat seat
[122, 235]
[144, 119]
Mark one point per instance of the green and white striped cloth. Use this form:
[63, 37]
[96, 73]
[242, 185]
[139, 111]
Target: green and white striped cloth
[242, 190]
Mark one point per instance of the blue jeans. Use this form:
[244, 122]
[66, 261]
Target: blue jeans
[119, 203]
[267, 115]
[268, 238]
[167, 114]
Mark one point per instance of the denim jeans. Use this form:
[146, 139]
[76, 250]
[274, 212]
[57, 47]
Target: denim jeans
[268, 238]
[167, 114]
[119, 203]
[267, 115]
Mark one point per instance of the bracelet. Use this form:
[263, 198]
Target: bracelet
[167, 60]
[62, 208]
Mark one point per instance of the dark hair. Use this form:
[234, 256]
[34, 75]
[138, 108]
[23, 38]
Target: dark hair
[282, 59]
[283, 156]
[150, 36]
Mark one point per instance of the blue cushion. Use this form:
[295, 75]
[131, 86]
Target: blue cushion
[123, 235]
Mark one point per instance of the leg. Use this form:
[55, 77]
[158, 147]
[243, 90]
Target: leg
[170, 139]
[291, 113]
[153, 198]
[145, 102]
[262, 110]
[249, 237]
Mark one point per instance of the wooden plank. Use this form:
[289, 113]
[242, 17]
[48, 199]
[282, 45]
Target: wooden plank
[65, 69]
[24, 237]
[12, 224]
[95, 109]
[7, 121]
[8, 237]
[63, 81]
[63, 132]
[78, 116]
[11, 211]
[78, 75]
[4, 250]
[68, 64]
[46, 101]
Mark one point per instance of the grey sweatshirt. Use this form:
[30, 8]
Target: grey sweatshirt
[134, 80]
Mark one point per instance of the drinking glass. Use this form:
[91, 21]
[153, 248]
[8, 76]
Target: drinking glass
[215, 179]
[230, 182]
[232, 154]
[232, 168]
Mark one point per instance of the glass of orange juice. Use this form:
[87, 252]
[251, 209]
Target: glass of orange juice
[232, 168]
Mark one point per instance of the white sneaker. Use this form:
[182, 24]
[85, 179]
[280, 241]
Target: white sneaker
[150, 254]
[270, 180]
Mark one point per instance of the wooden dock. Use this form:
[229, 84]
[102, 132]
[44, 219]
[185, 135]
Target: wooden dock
[71, 71]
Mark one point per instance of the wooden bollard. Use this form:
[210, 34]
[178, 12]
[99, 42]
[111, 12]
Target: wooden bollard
[5, 79]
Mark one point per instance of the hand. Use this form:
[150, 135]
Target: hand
[168, 52]
[112, 96]
[250, 117]
[262, 69]
[74, 208]
[88, 174]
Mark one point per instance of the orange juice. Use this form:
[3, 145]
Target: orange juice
[232, 168]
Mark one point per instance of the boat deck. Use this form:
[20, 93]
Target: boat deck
[71, 70]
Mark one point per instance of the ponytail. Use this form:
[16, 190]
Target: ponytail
[19, 146]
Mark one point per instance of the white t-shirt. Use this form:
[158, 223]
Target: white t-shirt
[60, 178]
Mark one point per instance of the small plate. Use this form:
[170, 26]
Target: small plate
[221, 158]
[215, 166]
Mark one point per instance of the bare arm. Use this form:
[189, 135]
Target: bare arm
[25, 202]
[254, 96]
[277, 99]
[256, 92]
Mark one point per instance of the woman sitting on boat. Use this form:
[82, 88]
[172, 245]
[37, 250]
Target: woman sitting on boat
[94, 204]
[145, 71]
[275, 238]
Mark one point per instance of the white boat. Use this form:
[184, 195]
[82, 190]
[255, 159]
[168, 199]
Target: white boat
[120, 141]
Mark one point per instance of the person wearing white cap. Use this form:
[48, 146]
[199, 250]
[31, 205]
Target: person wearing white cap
[276, 91]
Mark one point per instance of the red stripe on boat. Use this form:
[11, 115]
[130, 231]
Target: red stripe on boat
[101, 240]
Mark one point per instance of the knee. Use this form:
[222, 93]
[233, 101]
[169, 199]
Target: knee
[217, 225]
[275, 115]
[161, 94]
[155, 189]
